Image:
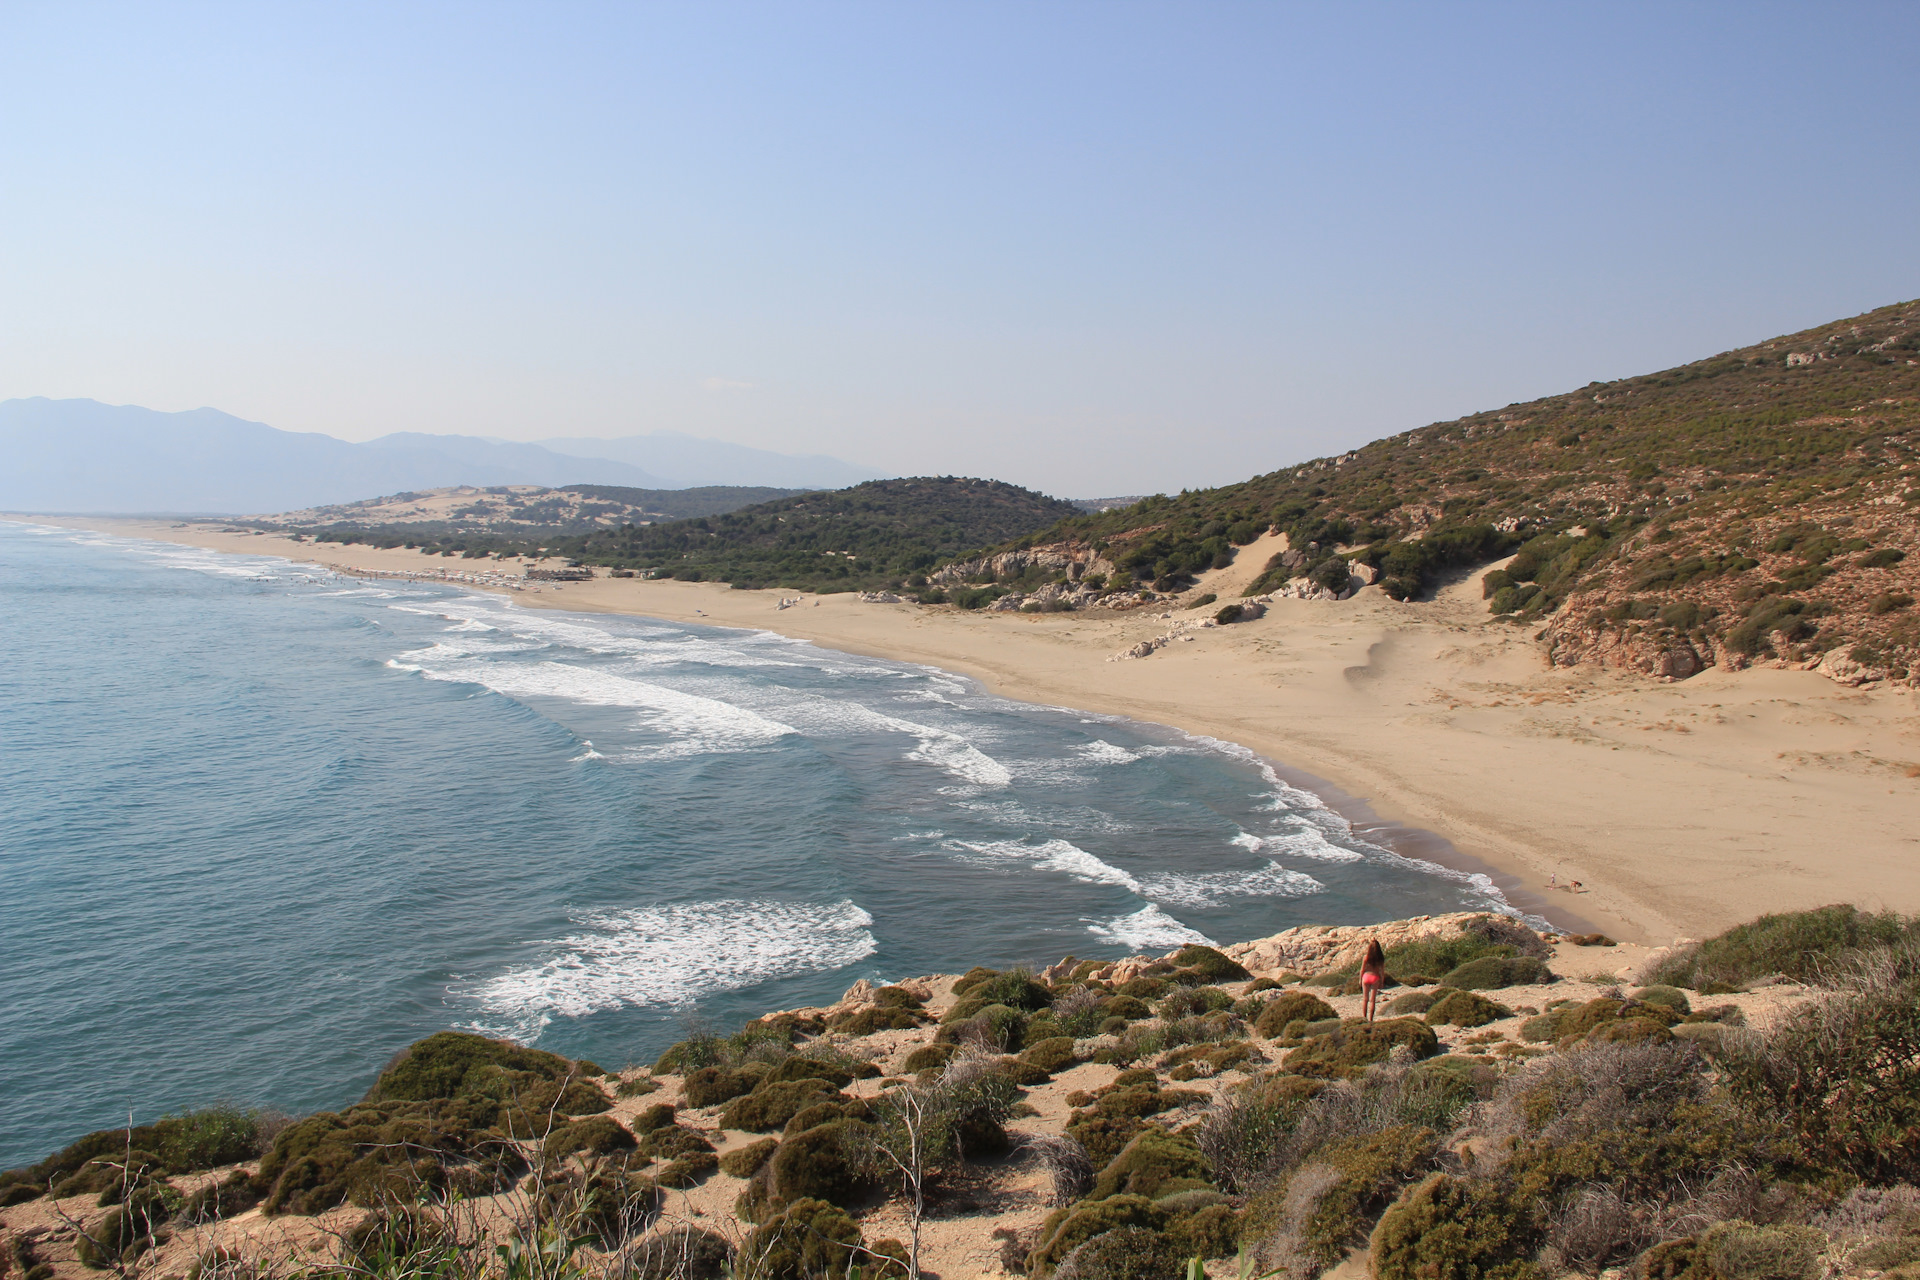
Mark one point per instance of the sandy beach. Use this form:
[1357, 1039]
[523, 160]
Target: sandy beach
[1680, 808]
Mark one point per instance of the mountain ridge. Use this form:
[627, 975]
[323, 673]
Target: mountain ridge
[83, 456]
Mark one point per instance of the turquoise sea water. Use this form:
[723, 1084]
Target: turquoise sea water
[264, 826]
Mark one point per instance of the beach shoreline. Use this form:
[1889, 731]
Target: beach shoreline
[1679, 808]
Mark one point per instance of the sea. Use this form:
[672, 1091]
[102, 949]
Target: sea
[262, 826]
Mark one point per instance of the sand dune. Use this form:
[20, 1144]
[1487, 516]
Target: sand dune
[1682, 808]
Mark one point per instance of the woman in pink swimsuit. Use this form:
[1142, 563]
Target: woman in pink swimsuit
[1373, 976]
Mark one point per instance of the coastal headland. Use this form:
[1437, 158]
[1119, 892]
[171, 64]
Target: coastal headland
[1677, 808]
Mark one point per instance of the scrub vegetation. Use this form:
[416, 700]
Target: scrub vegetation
[1197, 1113]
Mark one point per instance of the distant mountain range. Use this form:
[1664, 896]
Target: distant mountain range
[87, 457]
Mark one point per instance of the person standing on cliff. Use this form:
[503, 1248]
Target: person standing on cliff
[1373, 976]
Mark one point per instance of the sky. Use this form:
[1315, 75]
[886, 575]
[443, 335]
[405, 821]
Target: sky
[1096, 248]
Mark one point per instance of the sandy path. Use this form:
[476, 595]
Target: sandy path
[1684, 808]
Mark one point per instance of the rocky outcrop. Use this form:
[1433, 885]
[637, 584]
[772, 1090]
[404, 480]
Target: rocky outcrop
[1073, 561]
[1313, 949]
[1308, 589]
[1317, 948]
[1662, 654]
[1147, 648]
[1842, 667]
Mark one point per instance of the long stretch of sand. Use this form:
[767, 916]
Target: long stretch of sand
[1682, 808]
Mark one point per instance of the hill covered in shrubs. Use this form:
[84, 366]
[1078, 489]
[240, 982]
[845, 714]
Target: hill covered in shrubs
[872, 535]
[1758, 504]
[1746, 1109]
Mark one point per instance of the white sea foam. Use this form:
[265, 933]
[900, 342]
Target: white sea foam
[1100, 751]
[1050, 855]
[1308, 842]
[822, 717]
[698, 724]
[670, 956]
[1211, 888]
[1148, 929]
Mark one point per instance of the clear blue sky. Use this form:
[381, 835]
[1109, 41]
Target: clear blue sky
[1097, 248]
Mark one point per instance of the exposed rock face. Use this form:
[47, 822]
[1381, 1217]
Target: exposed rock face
[880, 597]
[1307, 589]
[1840, 666]
[1074, 561]
[1317, 948]
[1665, 657]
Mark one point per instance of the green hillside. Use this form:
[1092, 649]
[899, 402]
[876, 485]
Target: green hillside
[1756, 504]
[682, 504]
[871, 535]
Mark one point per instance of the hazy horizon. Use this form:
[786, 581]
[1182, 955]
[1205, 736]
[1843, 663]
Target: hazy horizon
[1091, 250]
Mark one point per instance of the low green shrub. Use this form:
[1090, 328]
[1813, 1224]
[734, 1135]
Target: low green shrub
[1210, 964]
[1672, 997]
[805, 1240]
[808, 1067]
[1241, 1132]
[1144, 987]
[873, 1018]
[971, 978]
[128, 1230]
[1742, 1251]
[1126, 1253]
[1014, 988]
[384, 1150]
[1050, 1055]
[929, 1057]
[1465, 1009]
[1202, 1224]
[1324, 1206]
[1490, 973]
[1357, 1045]
[997, 1026]
[527, 1085]
[686, 1170]
[1803, 945]
[1572, 1022]
[1200, 1061]
[683, 1253]
[1119, 1112]
[771, 1106]
[1292, 1007]
[711, 1086]
[657, 1116]
[1454, 1229]
[1153, 1164]
[1629, 1030]
[594, 1135]
[1132, 1008]
[104, 1176]
[744, 1162]
[823, 1163]
[1189, 1002]
[1414, 1002]
[207, 1138]
[638, 1087]
[1843, 1072]
[1065, 1230]
[669, 1142]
